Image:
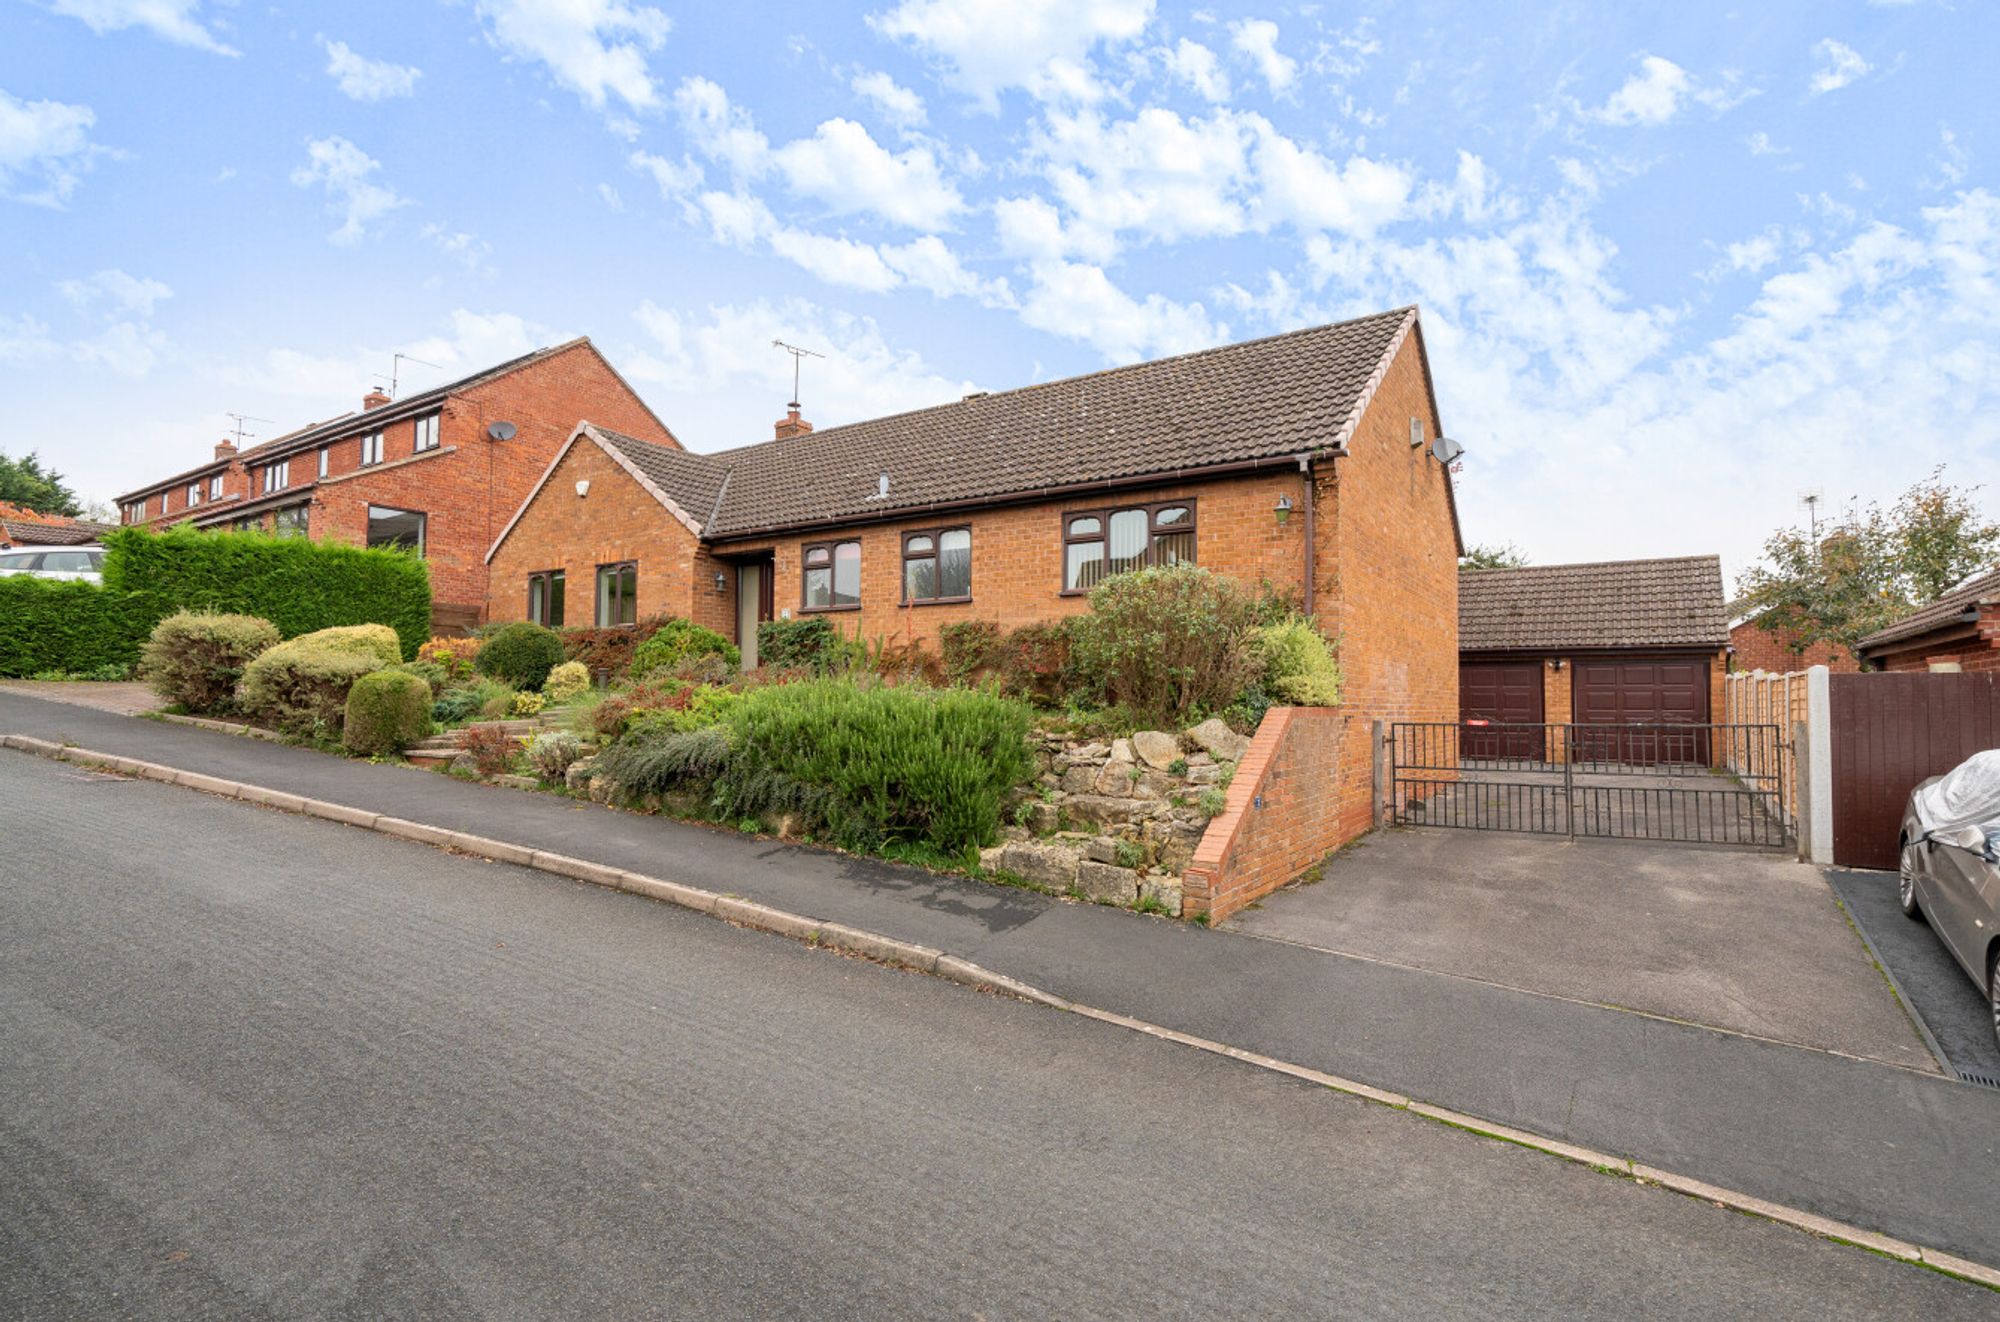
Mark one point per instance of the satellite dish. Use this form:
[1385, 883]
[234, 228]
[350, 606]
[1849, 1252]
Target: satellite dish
[501, 431]
[1446, 450]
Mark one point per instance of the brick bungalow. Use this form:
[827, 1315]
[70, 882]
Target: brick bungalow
[1754, 647]
[21, 526]
[439, 471]
[1304, 459]
[1958, 631]
[1610, 643]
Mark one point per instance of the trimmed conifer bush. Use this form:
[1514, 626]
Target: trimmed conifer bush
[678, 641]
[196, 661]
[301, 686]
[521, 653]
[387, 711]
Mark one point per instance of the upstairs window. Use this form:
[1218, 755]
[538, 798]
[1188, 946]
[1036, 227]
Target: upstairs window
[325, 458]
[277, 476]
[832, 577]
[1100, 543]
[427, 434]
[371, 448]
[194, 494]
[215, 487]
[937, 565]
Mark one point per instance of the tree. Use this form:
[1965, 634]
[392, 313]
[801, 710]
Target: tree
[26, 483]
[1504, 555]
[1872, 570]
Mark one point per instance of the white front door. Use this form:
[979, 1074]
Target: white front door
[749, 601]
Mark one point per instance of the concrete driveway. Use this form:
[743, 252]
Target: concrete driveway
[1751, 943]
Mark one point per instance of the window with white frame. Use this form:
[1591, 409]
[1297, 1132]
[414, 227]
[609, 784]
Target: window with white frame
[194, 494]
[427, 433]
[277, 476]
[215, 487]
[325, 454]
[371, 448]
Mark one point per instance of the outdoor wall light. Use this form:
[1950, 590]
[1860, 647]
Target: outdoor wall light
[721, 582]
[1556, 664]
[1283, 509]
[583, 488]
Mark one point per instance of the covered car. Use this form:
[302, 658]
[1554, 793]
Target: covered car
[1950, 868]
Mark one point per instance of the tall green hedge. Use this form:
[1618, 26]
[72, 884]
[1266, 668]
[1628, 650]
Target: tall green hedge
[58, 624]
[299, 585]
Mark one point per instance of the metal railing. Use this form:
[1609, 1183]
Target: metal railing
[1700, 783]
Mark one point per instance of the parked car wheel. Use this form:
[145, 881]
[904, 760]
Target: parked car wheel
[1993, 991]
[1906, 880]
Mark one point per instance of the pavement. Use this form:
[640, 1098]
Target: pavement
[1750, 942]
[124, 697]
[1939, 994]
[258, 1065]
[1894, 1150]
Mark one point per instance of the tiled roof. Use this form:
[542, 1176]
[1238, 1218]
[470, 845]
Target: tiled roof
[335, 427]
[1945, 610]
[1263, 400]
[23, 526]
[1618, 603]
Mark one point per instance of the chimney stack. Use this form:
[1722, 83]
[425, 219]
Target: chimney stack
[225, 449]
[374, 399]
[792, 424]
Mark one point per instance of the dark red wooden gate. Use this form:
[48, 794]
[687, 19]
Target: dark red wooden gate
[1890, 731]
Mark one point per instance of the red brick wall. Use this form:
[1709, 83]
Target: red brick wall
[1387, 573]
[1758, 648]
[1971, 654]
[1285, 809]
[1017, 556]
[617, 520]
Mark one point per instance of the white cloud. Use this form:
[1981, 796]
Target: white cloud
[676, 179]
[335, 380]
[1651, 96]
[343, 169]
[1753, 254]
[902, 107]
[595, 48]
[717, 377]
[1952, 162]
[45, 149]
[931, 266]
[1257, 38]
[1041, 46]
[117, 291]
[172, 20]
[1077, 301]
[1760, 144]
[1840, 64]
[1196, 65]
[720, 131]
[836, 260]
[468, 250]
[364, 79]
[847, 170]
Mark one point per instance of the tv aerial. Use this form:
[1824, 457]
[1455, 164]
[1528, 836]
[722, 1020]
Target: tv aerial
[797, 354]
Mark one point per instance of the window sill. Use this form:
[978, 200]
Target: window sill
[937, 601]
[827, 610]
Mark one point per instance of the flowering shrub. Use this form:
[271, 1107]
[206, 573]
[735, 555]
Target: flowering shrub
[566, 683]
[527, 703]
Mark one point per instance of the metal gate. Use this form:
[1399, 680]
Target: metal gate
[1688, 783]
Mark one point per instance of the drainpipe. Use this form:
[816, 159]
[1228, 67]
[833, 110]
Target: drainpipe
[1305, 474]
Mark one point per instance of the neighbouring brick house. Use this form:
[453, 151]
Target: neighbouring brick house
[1611, 643]
[20, 526]
[1304, 460]
[1958, 631]
[1754, 647]
[439, 470]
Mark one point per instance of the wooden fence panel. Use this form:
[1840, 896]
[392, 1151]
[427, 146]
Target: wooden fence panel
[1890, 731]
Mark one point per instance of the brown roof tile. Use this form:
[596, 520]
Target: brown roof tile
[1619, 603]
[1264, 399]
[1945, 610]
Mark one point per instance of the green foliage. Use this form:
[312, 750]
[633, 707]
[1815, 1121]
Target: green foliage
[25, 482]
[1298, 665]
[67, 626]
[435, 675]
[1872, 569]
[298, 584]
[678, 641]
[1212, 801]
[196, 661]
[457, 706]
[877, 764]
[301, 686]
[521, 653]
[566, 683]
[969, 648]
[526, 703]
[377, 641]
[808, 643]
[1499, 555]
[1036, 662]
[387, 711]
[663, 761]
[610, 649]
[551, 752]
[105, 674]
[1166, 643]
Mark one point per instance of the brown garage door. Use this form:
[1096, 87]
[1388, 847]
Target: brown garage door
[1505, 693]
[1624, 692]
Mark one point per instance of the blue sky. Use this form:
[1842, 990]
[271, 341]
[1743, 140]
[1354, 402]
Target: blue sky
[1677, 263]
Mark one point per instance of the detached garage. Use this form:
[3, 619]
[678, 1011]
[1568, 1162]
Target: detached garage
[1618, 643]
